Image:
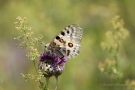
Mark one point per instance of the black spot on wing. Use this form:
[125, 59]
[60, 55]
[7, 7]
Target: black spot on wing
[57, 37]
[68, 31]
[62, 33]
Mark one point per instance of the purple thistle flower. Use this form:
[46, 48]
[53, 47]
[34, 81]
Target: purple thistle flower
[50, 64]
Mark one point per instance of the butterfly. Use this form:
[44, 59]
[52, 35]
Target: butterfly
[67, 42]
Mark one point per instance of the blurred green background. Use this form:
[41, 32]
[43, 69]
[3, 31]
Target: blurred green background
[48, 17]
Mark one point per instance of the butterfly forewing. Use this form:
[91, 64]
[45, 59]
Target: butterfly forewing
[67, 42]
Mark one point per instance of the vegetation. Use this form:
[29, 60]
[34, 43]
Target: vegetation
[106, 60]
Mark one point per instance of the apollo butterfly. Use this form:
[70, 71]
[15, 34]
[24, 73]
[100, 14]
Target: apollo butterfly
[67, 42]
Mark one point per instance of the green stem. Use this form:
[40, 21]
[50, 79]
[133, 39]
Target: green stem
[116, 56]
[56, 82]
[47, 83]
[35, 66]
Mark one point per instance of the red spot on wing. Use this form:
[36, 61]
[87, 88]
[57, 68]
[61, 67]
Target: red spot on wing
[68, 52]
[70, 44]
[61, 40]
[53, 43]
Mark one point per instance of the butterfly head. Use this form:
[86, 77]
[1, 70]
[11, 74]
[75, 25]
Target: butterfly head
[47, 47]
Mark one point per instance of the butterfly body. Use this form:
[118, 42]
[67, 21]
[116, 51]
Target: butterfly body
[67, 42]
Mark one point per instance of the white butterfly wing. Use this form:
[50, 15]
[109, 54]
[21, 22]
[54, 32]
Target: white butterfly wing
[72, 36]
[67, 42]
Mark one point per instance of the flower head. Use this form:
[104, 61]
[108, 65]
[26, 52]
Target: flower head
[50, 64]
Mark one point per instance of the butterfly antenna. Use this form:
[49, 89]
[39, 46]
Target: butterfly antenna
[42, 43]
[56, 82]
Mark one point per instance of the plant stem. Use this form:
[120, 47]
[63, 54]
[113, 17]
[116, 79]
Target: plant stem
[56, 82]
[116, 55]
[116, 58]
[47, 83]
[35, 66]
